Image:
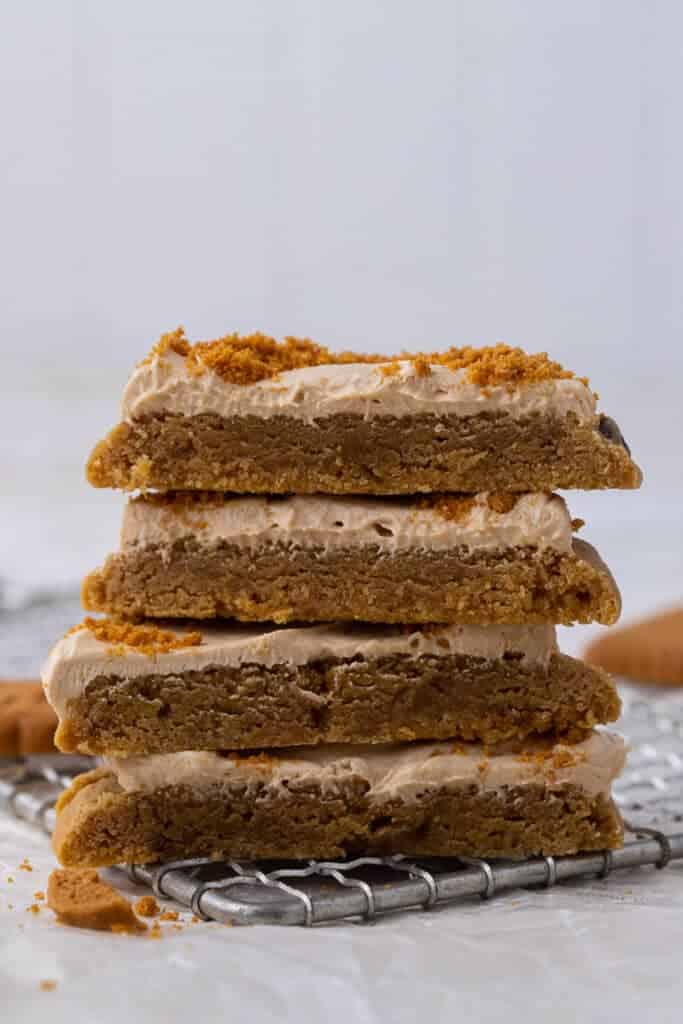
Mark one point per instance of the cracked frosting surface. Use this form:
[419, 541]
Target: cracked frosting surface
[165, 385]
[392, 770]
[79, 658]
[536, 520]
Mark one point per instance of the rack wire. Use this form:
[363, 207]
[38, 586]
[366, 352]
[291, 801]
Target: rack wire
[650, 795]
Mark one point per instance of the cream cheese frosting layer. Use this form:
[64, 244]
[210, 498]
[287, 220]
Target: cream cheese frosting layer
[537, 520]
[79, 658]
[392, 770]
[164, 385]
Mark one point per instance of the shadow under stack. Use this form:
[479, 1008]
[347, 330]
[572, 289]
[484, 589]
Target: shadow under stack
[330, 626]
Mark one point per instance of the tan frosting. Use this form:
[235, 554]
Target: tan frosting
[164, 385]
[392, 770]
[79, 658]
[537, 520]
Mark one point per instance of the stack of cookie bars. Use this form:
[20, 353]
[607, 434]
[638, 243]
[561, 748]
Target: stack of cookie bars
[330, 626]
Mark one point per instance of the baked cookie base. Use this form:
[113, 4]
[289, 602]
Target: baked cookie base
[335, 701]
[287, 584]
[347, 454]
[100, 824]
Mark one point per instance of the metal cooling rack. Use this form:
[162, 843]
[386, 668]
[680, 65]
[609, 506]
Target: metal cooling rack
[650, 795]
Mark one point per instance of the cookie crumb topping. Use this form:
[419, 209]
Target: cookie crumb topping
[550, 761]
[248, 359]
[146, 906]
[457, 507]
[149, 640]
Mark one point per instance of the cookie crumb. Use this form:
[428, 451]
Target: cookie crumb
[25, 865]
[457, 508]
[169, 915]
[48, 985]
[149, 640]
[391, 369]
[33, 909]
[81, 899]
[155, 931]
[502, 502]
[248, 359]
[421, 365]
[147, 906]
[40, 895]
[502, 366]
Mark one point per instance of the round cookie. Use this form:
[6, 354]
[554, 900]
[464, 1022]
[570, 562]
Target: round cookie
[649, 651]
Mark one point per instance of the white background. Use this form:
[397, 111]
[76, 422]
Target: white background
[371, 174]
[376, 175]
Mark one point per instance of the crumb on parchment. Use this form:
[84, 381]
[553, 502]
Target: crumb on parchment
[80, 898]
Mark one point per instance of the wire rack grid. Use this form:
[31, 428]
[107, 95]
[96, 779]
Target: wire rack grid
[650, 795]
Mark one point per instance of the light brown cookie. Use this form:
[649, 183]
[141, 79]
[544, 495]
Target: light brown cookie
[81, 899]
[27, 722]
[649, 651]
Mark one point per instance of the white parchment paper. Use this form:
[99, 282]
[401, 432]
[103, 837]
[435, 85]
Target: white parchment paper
[597, 951]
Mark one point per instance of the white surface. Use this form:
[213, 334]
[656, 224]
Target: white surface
[594, 951]
[381, 177]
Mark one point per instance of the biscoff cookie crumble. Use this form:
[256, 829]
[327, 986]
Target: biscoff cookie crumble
[81, 899]
[553, 759]
[391, 369]
[458, 507]
[173, 341]
[146, 906]
[502, 502]
[502, 365]
[149, 640]
[247, 359]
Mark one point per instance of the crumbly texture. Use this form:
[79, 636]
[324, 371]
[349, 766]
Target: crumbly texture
[99, 823]
[145, 639]
[650, 651]
[337, 701]
[27, 722]
[147, 906]
[281, 584]
[347, 454]
[457, 507]
[247, 359]
[81, 899]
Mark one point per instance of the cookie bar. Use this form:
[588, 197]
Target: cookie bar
[420, 799]
[482, 559]
[124, 690]
[251, 415]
